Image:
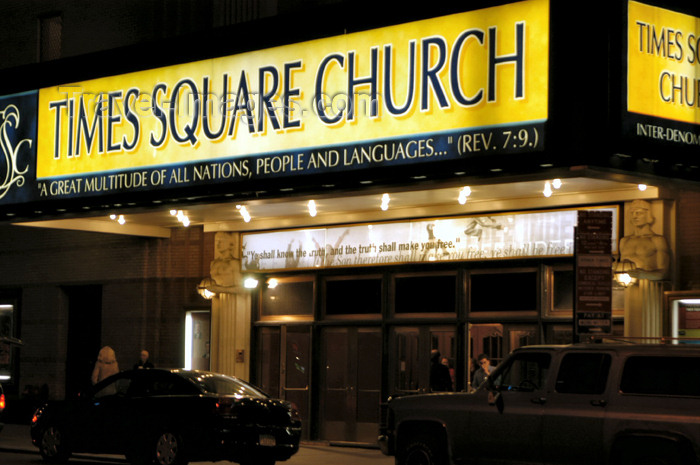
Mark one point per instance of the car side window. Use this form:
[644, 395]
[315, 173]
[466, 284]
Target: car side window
[147, 386]
[670, 376]
[120, 386]
[582, 373]
[523, 372]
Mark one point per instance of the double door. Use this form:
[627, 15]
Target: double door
[345, 405]
[411, 346]
[284, 367]
[350, 399]
[410, 357]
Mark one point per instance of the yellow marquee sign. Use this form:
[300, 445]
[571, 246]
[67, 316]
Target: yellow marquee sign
[396, 85]
[663, 78]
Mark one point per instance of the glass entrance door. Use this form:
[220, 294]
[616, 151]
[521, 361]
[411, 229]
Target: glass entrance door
[410, 357]
[284, 366]
[351, 384]
[496, 341]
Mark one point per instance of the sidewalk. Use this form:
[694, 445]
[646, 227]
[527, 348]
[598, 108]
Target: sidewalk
[16, 438]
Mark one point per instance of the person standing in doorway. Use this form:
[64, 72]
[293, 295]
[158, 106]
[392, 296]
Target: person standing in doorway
[106, 365]
[483, 372]
[144, 361]
[439, 374]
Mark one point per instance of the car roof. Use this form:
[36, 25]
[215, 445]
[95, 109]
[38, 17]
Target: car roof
[621, 348]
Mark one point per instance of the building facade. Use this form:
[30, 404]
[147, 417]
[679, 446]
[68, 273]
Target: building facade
[470, 180]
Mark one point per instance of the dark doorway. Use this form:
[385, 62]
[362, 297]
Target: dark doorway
[84, 335]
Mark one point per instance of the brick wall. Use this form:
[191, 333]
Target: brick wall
[147, 285]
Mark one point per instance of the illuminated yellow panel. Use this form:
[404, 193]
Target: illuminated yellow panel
[663, 63]
[477, 69]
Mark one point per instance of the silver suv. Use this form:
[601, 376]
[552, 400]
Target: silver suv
[588, 404]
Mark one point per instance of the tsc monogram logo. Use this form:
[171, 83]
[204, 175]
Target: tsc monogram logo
[10, 174]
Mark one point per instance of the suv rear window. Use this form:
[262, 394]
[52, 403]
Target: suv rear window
[669, 376]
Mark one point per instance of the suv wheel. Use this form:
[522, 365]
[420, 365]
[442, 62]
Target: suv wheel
[53, 447]
[423, 450]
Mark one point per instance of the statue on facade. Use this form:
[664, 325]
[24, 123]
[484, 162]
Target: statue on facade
[647, 251]
[225, 269]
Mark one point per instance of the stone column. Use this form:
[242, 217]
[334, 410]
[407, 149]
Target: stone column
[230, 310]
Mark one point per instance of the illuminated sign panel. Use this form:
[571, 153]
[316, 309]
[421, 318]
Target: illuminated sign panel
[448, 88]
[503, 236]
[663, 75]
[17, 146]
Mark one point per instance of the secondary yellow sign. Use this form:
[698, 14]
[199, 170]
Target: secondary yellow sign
[484, 68]
[663, 78]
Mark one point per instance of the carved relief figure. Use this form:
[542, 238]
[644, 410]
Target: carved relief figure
[647, 250]
[225, 269]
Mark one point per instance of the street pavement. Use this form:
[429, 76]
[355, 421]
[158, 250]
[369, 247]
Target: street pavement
[16, 442]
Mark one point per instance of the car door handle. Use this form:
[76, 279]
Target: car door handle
[599, 403]
[538, 400]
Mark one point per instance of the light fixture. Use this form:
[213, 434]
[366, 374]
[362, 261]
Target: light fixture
[272, 283]
[642, 187]
[312, 208]
[181, 217]
[250, 283]
[547, 189]
[463, 194]
[244, 213]
[621, 272]
[203, 289]
[556, 183]
[385, 202]
[118, 218]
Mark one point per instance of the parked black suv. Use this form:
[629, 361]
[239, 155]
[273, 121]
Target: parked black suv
[616, 404]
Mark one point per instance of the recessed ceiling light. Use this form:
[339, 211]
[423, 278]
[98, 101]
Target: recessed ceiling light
[463, 194]
[244, 213]
[312, 208]
[385, 202]
[547, 189]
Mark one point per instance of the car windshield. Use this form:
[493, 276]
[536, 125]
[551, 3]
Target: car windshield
[215, 383]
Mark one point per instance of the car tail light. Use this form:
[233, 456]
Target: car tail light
[224, 406]
[2, 402]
